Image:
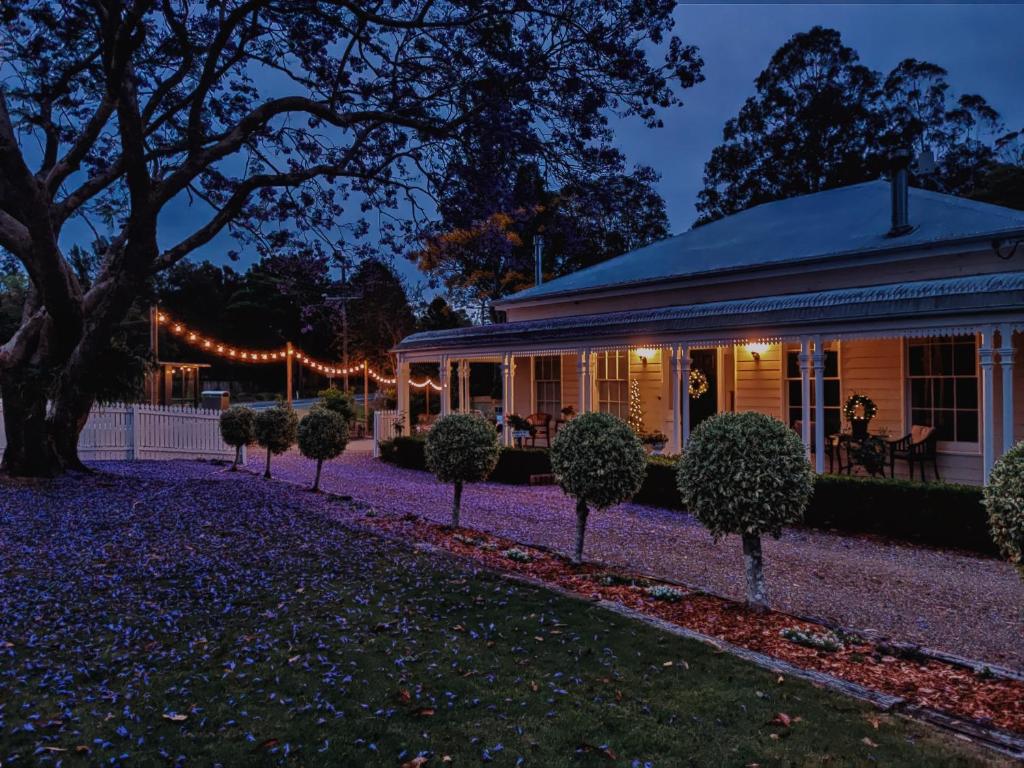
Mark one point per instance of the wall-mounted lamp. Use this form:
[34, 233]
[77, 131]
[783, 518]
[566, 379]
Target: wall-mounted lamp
[756, 349]
[645, 354]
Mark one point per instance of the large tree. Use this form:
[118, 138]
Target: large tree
[268, 116]
[821, 119]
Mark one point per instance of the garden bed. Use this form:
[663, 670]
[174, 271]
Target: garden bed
[982, 697]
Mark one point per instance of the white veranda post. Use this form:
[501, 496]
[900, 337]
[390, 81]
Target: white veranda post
[805, 394]
[446, 390]
[677, 400]
[1006, 365]
[402, 392]
[464, 386]
[986, 352]
[586, 382]
[684, 395]
[507, 395]
[819, 405]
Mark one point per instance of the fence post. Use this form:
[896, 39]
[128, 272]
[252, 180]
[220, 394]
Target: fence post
[131, 443]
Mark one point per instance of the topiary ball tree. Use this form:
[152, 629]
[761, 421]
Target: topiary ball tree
[599, 461]
[1003, 497]
[238, 429]
[461, 448]
[276, 429]
[339, 401]
[323, 435]
[746, 473]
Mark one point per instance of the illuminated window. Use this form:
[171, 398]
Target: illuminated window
[794, 391]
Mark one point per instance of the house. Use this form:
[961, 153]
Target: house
[911, 297]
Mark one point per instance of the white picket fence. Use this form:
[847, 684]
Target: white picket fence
[129, 432]
[383, 429]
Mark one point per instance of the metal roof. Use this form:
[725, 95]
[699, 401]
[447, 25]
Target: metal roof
[843, 222]
[943, 298]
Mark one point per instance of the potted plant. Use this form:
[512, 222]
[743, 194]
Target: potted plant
[569, 413]
[656, 440]
[399, 425]
[859, 410]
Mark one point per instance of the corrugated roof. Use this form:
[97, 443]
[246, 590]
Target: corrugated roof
[838, 222]
[943, 297]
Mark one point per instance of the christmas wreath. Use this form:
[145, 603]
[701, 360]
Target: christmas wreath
[866, 404]
[698, 382]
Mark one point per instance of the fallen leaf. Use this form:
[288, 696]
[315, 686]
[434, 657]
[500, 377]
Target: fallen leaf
[174, 717]
[416, 762]
[404, 696]
[266, 744]
[423, 712]
[782, 719]
[869, 742]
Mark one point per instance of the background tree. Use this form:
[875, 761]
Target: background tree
[599, 461]
[275, 429]
[745, 473]
[238, 429]
[337, 401]
[380, 316]
[461, 448]
[820, 119]
[271, 117]
[323, 435]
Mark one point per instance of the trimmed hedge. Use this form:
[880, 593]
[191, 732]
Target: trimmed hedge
[935, 514]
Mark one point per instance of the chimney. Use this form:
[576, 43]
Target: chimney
[538, 258]
[899, 183]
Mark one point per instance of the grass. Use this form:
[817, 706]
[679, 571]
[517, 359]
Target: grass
[219, 619]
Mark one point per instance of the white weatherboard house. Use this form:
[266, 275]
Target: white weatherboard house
[913, 298]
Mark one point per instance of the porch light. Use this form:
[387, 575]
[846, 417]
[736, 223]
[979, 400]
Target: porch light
[645, 354]
[756, 349]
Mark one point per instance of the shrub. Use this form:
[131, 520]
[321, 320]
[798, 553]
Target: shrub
[237, 428]
[599, 461]
[275, 430]
[339, 401]
[1004, 500]
[821, 641]
[323, 435]
[664, 592]
[518, 555]
[746, 473]
[461, 448]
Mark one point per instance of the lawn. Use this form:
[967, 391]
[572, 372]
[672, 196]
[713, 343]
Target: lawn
[174, 613]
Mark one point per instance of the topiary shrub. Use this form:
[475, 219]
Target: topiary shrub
[746, 473]
[237, 429]
[599, 461]
[276, 429]
[323, 435]
[339, 401]
[461, 448]
[1003, 498]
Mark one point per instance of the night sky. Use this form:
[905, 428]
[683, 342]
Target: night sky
[980, 45]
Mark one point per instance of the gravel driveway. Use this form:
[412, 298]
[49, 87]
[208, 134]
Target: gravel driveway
[947, 600]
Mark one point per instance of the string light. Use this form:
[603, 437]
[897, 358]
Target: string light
[254, 356]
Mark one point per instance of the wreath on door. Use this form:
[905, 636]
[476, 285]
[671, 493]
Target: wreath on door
[698, 383]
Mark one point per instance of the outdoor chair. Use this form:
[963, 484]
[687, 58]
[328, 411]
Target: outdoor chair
[540, 426]
[919, 447]
[424, 422]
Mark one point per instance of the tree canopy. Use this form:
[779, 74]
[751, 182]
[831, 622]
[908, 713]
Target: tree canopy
[275, 120]
[822, 119]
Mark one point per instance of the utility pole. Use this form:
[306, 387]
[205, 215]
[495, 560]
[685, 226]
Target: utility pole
[344, 296]
[288, 355]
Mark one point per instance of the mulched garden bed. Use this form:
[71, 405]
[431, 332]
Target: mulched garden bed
[989, 700]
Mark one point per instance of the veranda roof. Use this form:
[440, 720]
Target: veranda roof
[837, 223]
[981, 298]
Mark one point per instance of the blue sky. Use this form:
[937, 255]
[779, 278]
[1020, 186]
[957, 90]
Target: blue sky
[980, 46]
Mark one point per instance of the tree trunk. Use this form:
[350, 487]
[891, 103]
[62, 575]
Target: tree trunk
[581, 529]
[238, 458]
[457, 504]
[266, 472]
[757, 598]
[29, 452]
[316, 480]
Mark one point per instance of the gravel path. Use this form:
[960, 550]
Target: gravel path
[946, 600]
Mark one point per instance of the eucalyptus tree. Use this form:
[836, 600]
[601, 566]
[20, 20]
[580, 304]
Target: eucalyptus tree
[273, 120]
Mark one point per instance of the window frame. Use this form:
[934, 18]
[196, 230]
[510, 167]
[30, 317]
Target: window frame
[787, 406]
[621, 362]
[553, 382]
[965, 447]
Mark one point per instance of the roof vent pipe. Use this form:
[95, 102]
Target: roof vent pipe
[899, 187]
[538, 258]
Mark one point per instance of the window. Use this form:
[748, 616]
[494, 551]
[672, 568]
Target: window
[794, 391]
[943, 379]
[613, 383]
[547, 377]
